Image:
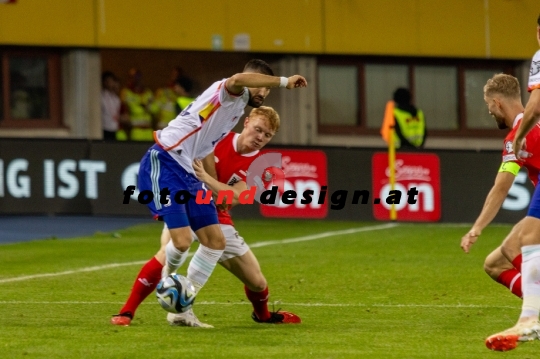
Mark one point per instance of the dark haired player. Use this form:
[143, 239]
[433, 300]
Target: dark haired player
[193, 135]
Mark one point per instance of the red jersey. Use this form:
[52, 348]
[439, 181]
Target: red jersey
[530, 157]
[231, 167]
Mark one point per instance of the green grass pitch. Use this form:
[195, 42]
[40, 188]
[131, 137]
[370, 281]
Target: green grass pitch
[402, 292]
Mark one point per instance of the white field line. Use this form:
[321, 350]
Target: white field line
[451, 225]
[323, 235]
[81, 270]
[451, 306]
[253, 245]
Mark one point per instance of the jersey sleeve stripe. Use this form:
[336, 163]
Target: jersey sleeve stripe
[177, 143]
[211, 107]
[206, 116]
[229, 92]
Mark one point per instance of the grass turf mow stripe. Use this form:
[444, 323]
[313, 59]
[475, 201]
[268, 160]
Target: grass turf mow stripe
[21, 302]
[254, 245]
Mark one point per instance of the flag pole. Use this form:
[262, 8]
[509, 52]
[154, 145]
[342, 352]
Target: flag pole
[392, 170]
[387, 133]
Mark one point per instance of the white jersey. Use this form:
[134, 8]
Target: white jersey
[534, 74]
[194, 133]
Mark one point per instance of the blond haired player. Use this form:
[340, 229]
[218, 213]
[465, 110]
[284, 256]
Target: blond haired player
[233, 156]
[527, 327]
[502, 95]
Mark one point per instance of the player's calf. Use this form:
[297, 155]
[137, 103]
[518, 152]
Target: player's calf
[500, 269]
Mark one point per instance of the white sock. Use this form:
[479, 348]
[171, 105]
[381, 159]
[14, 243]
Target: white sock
[530, 276]
[202, 265]
[175, 257]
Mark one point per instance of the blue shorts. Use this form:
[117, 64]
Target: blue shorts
[534, 206]
[157, 171]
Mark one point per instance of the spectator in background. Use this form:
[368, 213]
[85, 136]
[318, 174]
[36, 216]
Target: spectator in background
[182, 87]
[110, 105]
[21, 105]
[410, 125]
[138, 103]
[408, 121]
[166, 100]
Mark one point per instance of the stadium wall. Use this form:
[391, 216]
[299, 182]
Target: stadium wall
[493, 28]
[53, 177]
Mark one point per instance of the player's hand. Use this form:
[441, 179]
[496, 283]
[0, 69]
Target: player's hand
[518, 146]
[222, 207]
[296, 81]
[199, 170]
[468, 240]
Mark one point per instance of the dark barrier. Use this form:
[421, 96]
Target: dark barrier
[84, 177]
[67, 177]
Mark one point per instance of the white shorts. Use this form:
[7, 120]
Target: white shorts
[235, 246]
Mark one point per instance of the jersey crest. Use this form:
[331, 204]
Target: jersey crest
[535, 68]
[234, 179]
[508, 147]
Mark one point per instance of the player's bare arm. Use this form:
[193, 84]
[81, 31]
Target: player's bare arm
[236, 83]
[493, 203]
[215, 185]
[209, 164]
[531, 115]
[538, 34]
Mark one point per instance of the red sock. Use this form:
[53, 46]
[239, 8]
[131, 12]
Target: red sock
[146, 282]
[511, 279]
[517, 262]
[260, 302]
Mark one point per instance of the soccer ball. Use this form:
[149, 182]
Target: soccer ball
[175, 293]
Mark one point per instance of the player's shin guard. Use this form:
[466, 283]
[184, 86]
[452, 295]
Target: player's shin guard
[530, 270]
[260, 302]
[145, 284]
[202, 265]
[175, 258]
[511, 279]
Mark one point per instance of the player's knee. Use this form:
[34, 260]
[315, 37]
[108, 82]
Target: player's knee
[261, 285]
[181, 243]
[258, 285]
[216, 241]
[259, 281]
[219, 243]
[183, 247]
